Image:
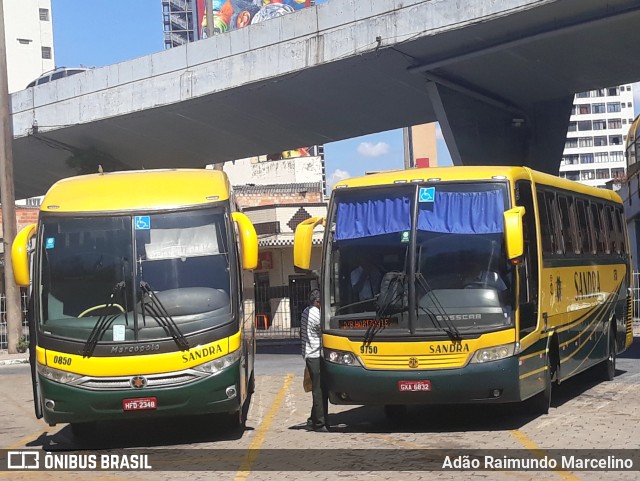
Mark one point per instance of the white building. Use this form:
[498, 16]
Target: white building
[29, 40]
[594, 149]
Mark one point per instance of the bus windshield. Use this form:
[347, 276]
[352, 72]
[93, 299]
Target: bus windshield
[450, 246]
[134, 277]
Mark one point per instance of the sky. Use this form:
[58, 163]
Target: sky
[96, 33]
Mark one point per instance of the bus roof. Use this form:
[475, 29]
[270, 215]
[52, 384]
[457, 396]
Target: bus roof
[458, 173]
[137, 190]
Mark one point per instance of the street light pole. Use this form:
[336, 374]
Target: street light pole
[7, 197]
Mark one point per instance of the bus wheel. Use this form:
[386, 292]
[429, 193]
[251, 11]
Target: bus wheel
[608, 366]
[251, 388]
[541, 402]
[395, 412]
[83, 430]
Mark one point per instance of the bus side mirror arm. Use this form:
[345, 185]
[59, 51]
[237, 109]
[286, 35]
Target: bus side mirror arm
[303, 240]
[513, 233]
[20, 255]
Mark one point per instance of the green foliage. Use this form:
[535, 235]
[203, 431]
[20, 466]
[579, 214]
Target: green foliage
[23, 344]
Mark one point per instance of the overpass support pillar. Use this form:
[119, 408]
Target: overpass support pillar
[480, 130]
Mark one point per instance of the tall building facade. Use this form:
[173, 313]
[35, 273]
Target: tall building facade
[178, 20]
[594, 151]
[29, 41]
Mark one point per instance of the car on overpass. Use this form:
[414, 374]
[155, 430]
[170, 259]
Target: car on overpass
[56, 74]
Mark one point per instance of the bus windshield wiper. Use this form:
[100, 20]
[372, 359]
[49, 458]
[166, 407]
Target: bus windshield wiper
[449, 327]
[103, 323]
[391, 300]
[157, 311]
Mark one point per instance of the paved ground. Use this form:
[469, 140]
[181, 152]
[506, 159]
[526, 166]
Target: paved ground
[584, 415]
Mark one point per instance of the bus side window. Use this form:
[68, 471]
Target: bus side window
[603, 223]
[583, 228]
[554, 216]
[546, 226]
[596, 224]
[623, 235]
[568, 232]
[611, 230]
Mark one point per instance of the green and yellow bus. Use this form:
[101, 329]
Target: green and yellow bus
[137, 306]
[468, 285]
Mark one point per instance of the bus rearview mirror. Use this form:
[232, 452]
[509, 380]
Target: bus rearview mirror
[20, 255]
[303, 240]
[513, 234]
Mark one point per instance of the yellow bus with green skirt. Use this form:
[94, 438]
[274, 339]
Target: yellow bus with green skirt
[137, 305]
[468, 285]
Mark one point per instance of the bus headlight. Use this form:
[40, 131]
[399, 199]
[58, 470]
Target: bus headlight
[341, 357]
[496, 353]
[218, 365]
[57, 375]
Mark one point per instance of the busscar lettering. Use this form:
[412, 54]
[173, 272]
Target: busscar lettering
[448, 348]
[194, 355]
[587, 284]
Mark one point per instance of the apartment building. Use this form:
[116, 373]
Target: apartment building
[595, 145]
[29, 41]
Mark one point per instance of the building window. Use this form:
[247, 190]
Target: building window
[613, 107]
[615, 123]
[612, 92]
[599, 124]
[615, 140]
[600, 141]
[586, 158]
[46, 52]
[616, 156]
[573, 175]
[601, 157]
[584, 125]
[570, 143]
[617, 173]
[598, 108]
[584, 109]
[587, 175]
[628, 88]
[572, 127]
[24, 41]
[583, 95]
[570, 159]
[585, 142]
[44, 14]
[602, 173]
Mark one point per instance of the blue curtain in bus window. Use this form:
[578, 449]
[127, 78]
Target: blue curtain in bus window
[373, 216]
[463, 213]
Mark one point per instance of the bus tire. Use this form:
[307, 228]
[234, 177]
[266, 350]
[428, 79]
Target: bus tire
[607, 368]
[541, 402]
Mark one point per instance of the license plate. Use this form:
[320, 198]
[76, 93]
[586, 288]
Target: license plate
[414, 386]
[139, 404]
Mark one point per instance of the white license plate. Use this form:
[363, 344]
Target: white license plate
[139, 404]
[414, 386]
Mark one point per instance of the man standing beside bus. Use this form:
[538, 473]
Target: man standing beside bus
[311, 334]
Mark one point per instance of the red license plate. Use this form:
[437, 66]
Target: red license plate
[414, 386]
[139, 404]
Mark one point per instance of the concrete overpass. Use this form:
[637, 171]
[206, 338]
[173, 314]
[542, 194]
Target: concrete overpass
[499, 75]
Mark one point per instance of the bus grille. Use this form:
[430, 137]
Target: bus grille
[407, 361]
[153, 381]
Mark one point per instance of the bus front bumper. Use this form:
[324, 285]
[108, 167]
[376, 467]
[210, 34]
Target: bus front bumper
[491, 382]
[73, 404]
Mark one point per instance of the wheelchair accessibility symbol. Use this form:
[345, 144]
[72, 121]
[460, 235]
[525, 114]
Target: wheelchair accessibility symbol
[427, 194]
[142, 222]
